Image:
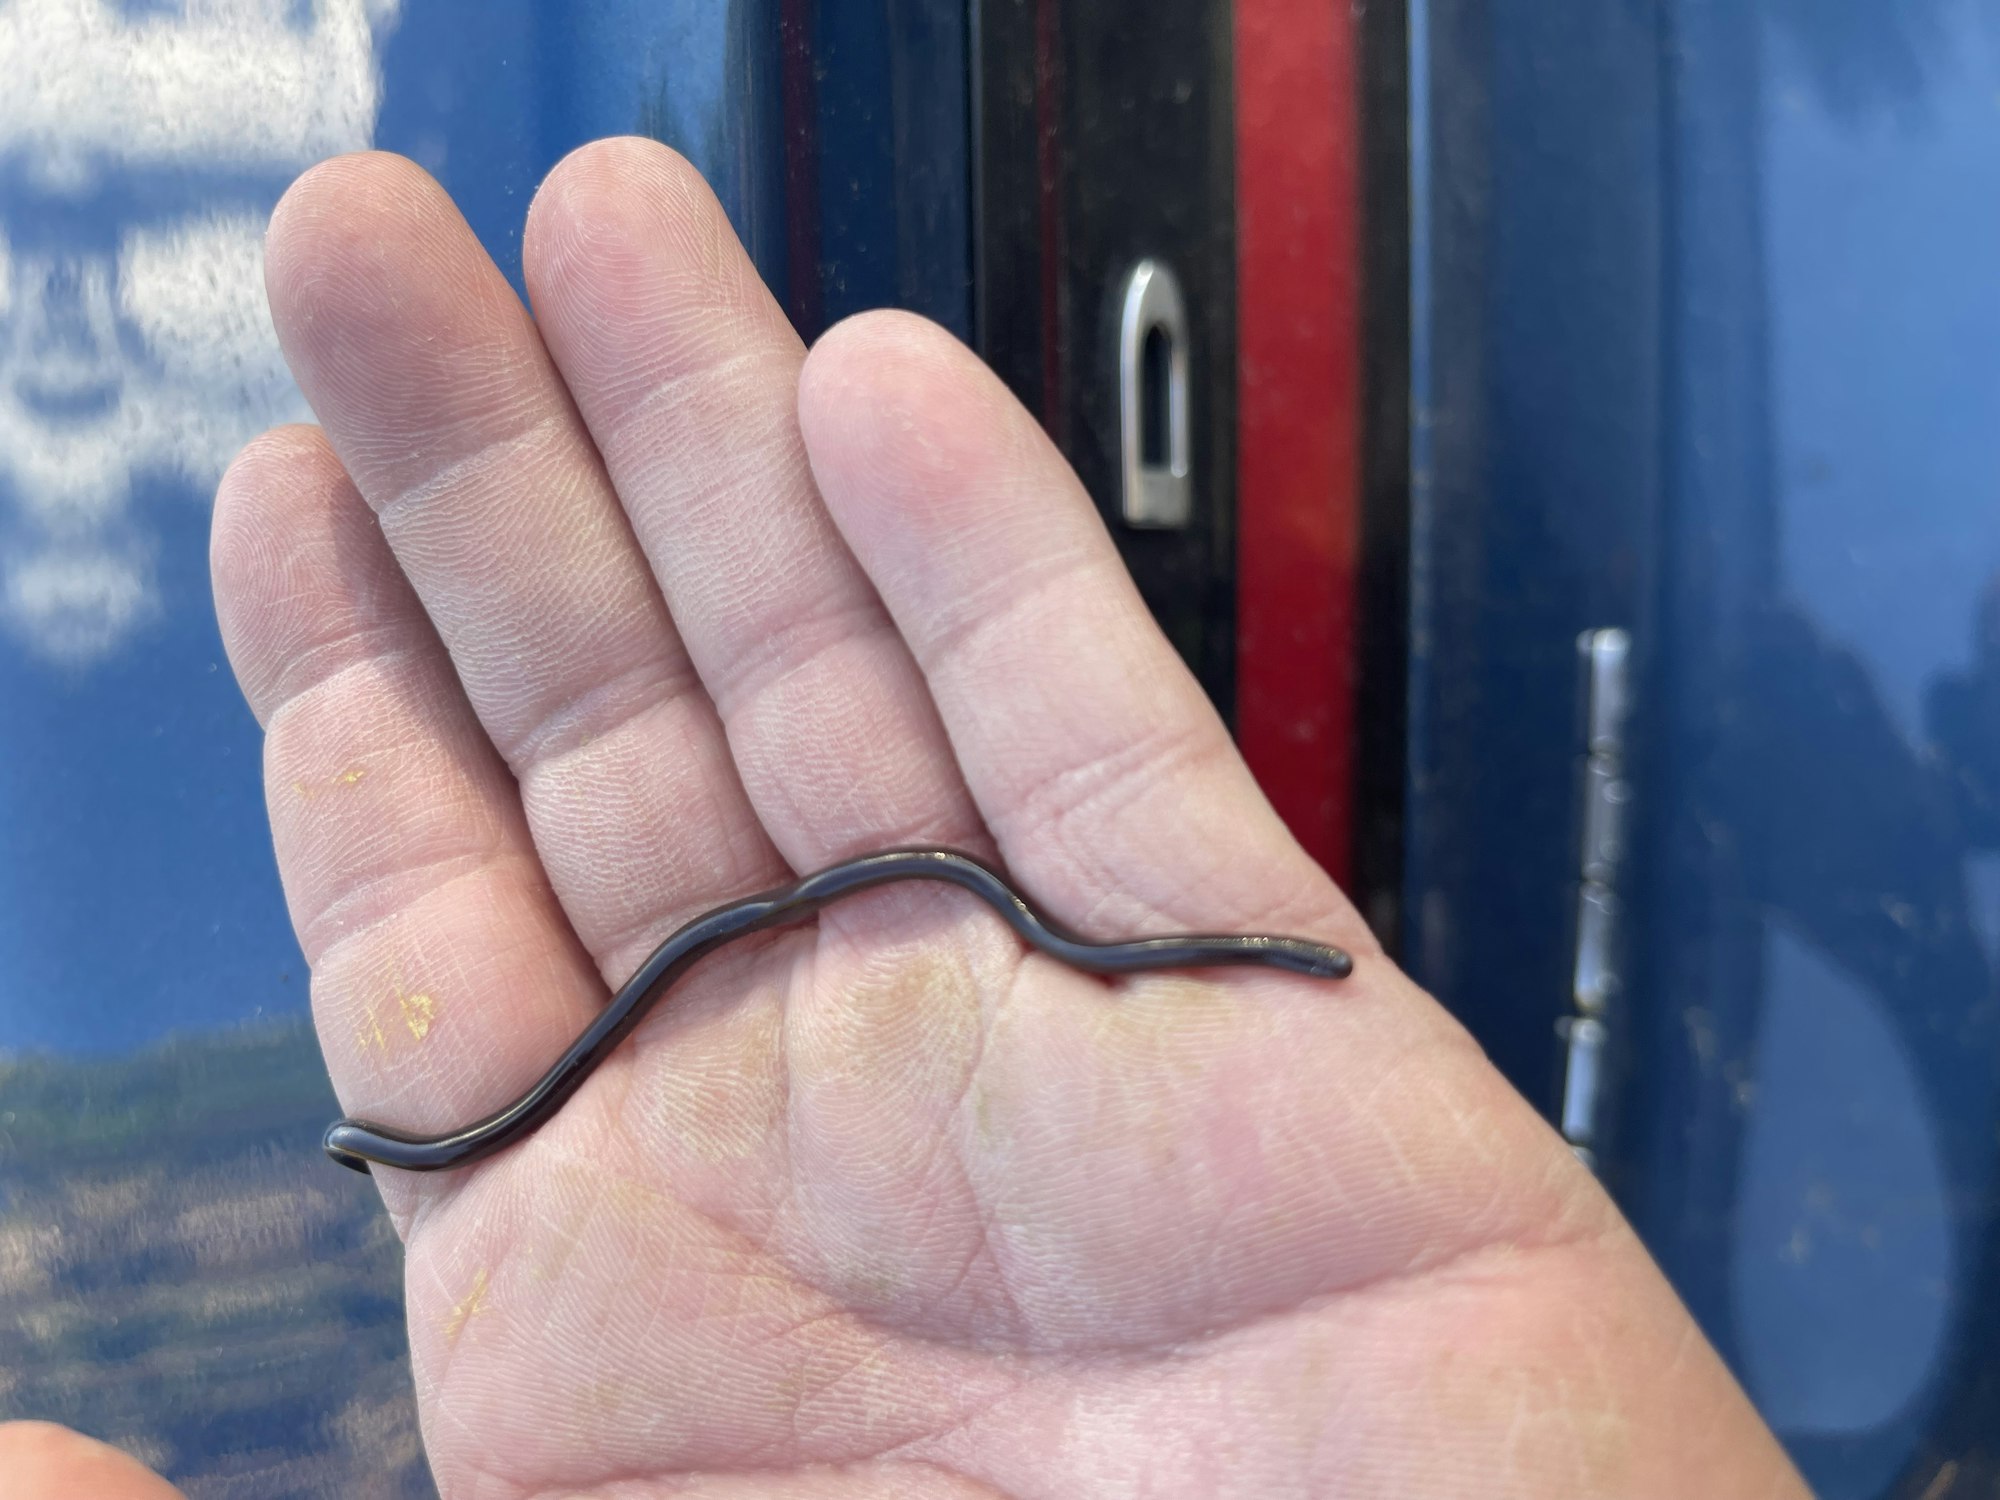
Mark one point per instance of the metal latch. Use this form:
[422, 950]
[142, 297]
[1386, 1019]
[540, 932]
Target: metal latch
[1156, 474]
[1606, 798]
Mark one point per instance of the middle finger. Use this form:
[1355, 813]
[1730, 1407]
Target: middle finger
[435, 391]
[687, 373]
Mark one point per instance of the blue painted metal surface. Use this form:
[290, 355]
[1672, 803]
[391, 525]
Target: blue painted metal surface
[146, 963]
[1536, 450]
[1710, 326]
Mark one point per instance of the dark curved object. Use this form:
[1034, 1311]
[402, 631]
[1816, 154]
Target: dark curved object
[356, 1143]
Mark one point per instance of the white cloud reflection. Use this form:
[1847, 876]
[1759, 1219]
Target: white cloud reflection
[147, 350]
[215, 82]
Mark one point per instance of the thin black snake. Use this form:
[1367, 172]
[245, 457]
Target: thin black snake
[357, 1143]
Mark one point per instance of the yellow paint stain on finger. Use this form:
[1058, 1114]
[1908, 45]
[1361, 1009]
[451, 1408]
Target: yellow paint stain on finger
[352, 776]
[415, 1010]
[472, 1305]
[418, 1012]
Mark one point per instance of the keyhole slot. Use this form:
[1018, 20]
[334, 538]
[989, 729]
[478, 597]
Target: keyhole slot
[1155, 397]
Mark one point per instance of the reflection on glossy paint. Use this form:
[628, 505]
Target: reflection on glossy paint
[179, 1275]
[140, 150]
[221, 83]
[1864, 1264]
[1879, 226]
[1843, 1274]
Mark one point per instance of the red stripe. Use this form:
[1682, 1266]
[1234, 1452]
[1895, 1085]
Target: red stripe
[1298, 472]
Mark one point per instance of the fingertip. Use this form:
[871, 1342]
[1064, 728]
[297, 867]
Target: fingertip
[628, 227]
[885, 354]
[337, 206]
[297, 563]
[367, 263]
[44, 1461]
[896, 413]
[268, 471]
[245, 536]
[604, 176]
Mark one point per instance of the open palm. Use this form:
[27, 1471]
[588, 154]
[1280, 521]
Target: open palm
[564, 630]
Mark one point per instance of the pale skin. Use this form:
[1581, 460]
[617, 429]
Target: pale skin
[563, 630]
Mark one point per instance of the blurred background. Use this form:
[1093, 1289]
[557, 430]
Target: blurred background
[1564, 438]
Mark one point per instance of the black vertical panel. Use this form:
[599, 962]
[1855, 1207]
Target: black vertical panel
[1383, 608]
[1536, 484]
[1007, 198]
[1699, 938]
[1104, 134]
[1147, 170]
[880, 87]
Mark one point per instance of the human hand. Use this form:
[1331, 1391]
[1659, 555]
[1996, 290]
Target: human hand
[41, 1461]
[565, 630]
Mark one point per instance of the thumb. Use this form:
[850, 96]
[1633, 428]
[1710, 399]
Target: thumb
[41, 1461]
